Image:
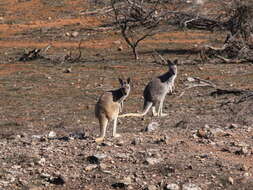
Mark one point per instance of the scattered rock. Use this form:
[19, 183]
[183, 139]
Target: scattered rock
[118, 185]
[181, 124]
[37, 136]
[152, 161]
[102, 166]
[68, 70]
[51, 135]
[96, 159]
[136, 141]
[164, 139]
[42, 161]
[246, 174]
[58, 180]
[217, 132]
[74, 34]
[172, 186]
[90, 167]
[122, 155]
[190, 79]
[231, 180]
[243, 167]
[233, 126]
[127, 180]
[106, 143]
[120, 142]
[78, 135]
[151, 187]
[120, 48]
[245, 150]
[152, 126]
[4, 183]
[190, 186]
[202, 133]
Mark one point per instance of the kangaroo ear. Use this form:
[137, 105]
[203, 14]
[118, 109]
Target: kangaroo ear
[169, 62]
[128, 80]
[121, 82]
[176, 61]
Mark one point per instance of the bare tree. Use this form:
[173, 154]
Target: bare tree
[235, 19]
[137, 20]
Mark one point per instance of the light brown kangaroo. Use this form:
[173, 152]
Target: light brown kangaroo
[108, 107]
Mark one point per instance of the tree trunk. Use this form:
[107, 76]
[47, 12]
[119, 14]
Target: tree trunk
[136, 56]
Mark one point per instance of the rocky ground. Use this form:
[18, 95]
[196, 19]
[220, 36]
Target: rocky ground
[47, 123]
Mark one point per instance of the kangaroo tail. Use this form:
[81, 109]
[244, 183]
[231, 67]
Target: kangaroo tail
[146, 109]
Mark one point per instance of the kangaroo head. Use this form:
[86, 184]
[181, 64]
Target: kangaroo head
[173, 65]
[125, 86]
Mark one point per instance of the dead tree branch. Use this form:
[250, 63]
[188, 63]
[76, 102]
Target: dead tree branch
[137, 21]
[34, 54]
[70, 58]
[219, 92]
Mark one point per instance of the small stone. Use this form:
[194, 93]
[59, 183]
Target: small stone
[202, 133]
[74, 34]
[190, 186]
[106, 143]
[151, 187]
[51, 134]
[120, 142]
[18, 136]
[244, 150]
[16, 167]
[78, 135]
[152, 161]
[102, 166]
[191, 79]
[152, 126]
[246, 174]
[57, 180]
[233, 126]
[118, 42]
[42, 161]
[172, 186]
[181, 124]
[120, 48]
[244, 167]
[96, 159]
[136, 141]
[68, 70]
[231, 180]
[118, 185]
[127, 180]
[4, 183]
[45, 175]
[90, 167]
[36, 136]
[217, 132]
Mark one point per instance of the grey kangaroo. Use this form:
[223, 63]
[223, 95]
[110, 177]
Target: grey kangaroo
[108, 107]
[156, 91]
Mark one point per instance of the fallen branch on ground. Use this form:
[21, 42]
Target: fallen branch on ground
[237, 92]
[34, 54]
